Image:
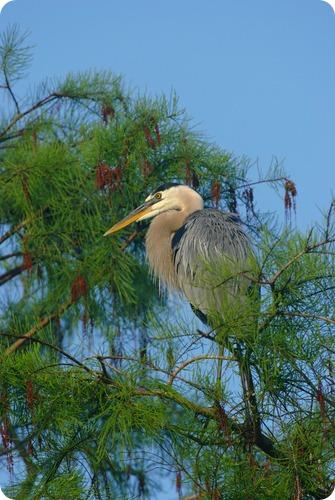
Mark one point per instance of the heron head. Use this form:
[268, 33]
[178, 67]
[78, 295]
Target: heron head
[165, 198]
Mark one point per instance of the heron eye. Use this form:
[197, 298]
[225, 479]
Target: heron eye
[158, 196]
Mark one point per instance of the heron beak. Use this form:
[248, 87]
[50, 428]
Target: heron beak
[136, 214]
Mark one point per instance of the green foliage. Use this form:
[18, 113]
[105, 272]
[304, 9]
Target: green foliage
[15, 55]
[113, 381]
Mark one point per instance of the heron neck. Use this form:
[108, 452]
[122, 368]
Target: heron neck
[168, 222]
[158, 240]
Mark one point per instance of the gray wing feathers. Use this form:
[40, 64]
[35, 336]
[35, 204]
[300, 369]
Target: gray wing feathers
[209, 252]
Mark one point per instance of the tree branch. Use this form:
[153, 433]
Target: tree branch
[25, 338]
[41, 324]
[264, 443]
[11, 255]
[35, 106]
[11, 274]
[249, 395]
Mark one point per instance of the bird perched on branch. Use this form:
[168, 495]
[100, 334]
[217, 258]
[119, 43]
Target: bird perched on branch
[202, 252]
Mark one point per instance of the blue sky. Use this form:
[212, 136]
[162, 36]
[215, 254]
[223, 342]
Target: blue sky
[257, 77]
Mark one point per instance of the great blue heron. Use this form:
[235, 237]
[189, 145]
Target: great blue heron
[187, 246]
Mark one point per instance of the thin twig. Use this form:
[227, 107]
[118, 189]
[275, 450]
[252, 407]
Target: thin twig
[264, 181]
[24, 338]
[129, 240]
[151, 365]
[195, 359]
[328, 219]
[306, 250]
[306, 315]
[103, 366]
[12, 231]
[9, 88]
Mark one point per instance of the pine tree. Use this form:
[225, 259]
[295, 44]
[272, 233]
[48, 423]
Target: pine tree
[154, 397]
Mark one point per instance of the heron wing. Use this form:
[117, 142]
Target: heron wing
[208, 245]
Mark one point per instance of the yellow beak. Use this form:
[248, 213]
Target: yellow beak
[136, 214]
